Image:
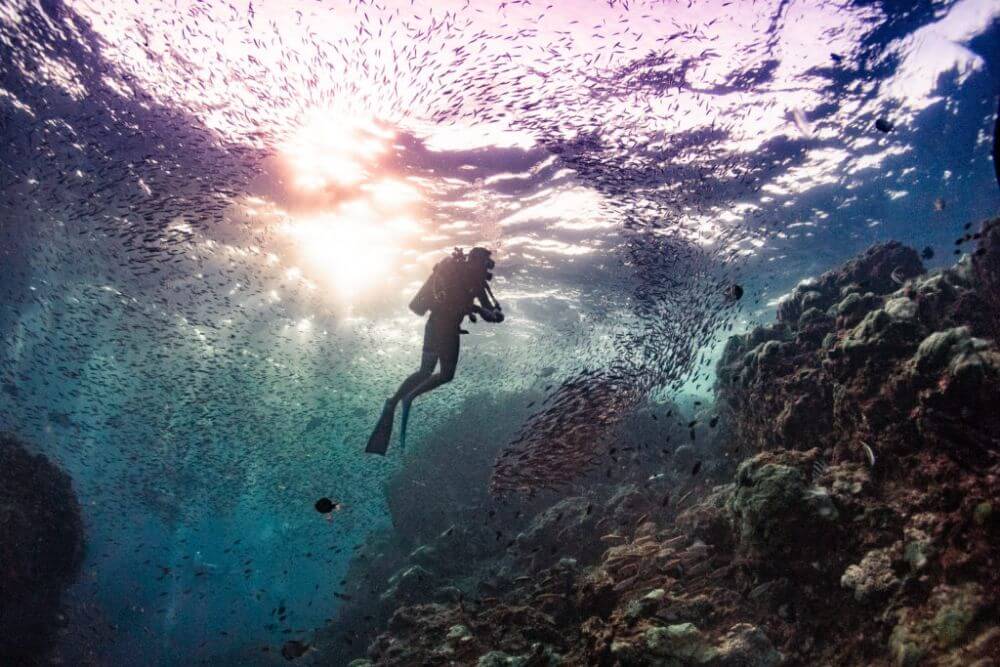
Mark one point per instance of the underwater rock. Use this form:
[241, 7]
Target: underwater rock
[986, 269]
[957, 412]
[569, 521]
[682, 641]
[41, 550]
[409, 584]
[644, 606]
[746, 646]
[950, 613]
[774, 510]
[946, 348]
[709, 520]
[872, 578]
[684, 457]
[861, 432]
[916, 554]
[499, 659]
[871, 272]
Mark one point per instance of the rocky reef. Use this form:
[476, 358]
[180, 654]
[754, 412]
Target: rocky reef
[840, 507]
[41, 549]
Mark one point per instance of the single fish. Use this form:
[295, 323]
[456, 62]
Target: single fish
[882, 125]
[869, 454]
[293, 649]
[325, 506]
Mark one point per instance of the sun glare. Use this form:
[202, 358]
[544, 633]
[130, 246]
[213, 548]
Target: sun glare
[358, 236]
[354, 247]
[353, 256]
[334, 149]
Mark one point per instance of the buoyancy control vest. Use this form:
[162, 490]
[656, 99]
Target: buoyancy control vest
[450, 287]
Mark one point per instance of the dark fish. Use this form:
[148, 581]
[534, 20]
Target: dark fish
[696, 468]
[60, 419]
[928, 253]
[882, 125]
[325, 505]
[293, 648]
[734, 292]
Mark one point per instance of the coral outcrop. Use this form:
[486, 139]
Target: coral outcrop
[41, 549]
[844, 511]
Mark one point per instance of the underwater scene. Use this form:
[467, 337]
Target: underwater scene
[525, 333]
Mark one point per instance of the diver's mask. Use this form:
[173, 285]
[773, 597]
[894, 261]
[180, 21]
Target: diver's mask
[482, 255]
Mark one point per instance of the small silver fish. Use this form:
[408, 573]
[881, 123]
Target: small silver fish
[869, 454]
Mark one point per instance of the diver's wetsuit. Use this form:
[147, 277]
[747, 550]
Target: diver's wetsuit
[441, 344]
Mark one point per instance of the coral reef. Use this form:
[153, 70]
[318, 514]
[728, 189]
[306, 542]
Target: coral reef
[845, 513]
[41, 549]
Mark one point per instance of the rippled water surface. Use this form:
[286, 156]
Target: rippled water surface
[213, 215]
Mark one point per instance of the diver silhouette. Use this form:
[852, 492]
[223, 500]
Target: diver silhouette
[450, 293]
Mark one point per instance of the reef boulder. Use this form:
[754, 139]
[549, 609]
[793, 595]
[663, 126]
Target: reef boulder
[41, 550]
[777, 514]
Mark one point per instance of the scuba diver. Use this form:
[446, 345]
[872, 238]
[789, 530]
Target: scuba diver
[449, 294]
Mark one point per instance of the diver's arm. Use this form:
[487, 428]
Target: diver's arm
[489, 310]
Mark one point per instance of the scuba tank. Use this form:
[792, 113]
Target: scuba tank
[434, 289]
[424, 298]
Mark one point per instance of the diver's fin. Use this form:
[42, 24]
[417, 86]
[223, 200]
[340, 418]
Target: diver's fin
[378, 442]
[404, 419]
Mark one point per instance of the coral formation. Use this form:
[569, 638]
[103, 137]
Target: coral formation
[845, 512]
[41, 549]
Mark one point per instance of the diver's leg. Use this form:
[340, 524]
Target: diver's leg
[448, 355]
[428, 361]
[449, 361]
[379, 440]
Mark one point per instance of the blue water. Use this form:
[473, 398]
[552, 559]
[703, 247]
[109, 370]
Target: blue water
[212, 218]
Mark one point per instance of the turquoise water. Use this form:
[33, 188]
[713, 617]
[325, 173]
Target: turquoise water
[213, 217]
